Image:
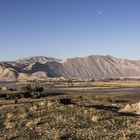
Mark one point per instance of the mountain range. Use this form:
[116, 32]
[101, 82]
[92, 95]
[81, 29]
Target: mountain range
[93, 67]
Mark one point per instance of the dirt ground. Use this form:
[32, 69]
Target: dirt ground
[70, 117]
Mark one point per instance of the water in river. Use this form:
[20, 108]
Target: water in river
[12, 85]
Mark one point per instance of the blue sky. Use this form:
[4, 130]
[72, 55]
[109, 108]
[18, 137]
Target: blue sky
[69, 28]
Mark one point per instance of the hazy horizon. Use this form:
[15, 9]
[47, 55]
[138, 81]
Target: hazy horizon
[26, 57]
[67, 29]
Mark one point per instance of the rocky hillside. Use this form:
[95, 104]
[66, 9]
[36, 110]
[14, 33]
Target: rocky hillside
[97, 67]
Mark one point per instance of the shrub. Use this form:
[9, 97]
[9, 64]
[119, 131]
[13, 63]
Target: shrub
[34, 92]
[37, 92]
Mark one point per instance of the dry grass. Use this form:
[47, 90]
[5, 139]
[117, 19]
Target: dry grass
[72, 116]
[96, 85]
[95, 119]
[83, 118]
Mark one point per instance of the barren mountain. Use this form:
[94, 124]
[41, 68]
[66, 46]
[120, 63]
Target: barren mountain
[97, 67]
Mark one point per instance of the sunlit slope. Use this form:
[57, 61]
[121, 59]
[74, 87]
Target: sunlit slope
[97, 67]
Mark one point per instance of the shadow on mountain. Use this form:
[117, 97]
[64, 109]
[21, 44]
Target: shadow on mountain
[49, 68]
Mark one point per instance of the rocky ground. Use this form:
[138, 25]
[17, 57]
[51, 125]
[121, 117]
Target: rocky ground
[73, 117]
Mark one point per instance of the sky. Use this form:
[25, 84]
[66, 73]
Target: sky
[69, 28]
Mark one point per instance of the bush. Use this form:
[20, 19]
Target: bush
[38, 89]
[34, 92]
[26, 88]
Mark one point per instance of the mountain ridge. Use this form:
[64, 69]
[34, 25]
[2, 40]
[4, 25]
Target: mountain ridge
[93, 66]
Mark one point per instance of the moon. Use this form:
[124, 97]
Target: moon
[100, 13]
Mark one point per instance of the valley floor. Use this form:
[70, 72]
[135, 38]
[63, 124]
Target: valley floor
[70, 116]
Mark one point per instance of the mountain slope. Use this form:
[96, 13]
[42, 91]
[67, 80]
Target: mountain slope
[97, 67]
